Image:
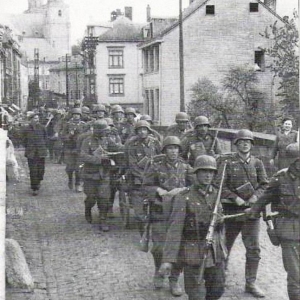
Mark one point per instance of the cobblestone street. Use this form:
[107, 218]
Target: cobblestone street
[71, 259]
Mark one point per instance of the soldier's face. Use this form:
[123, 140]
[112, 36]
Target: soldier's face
[130, 117]
[172, 152]
[118, 115]
[287, 125]
[35, 119]
[142, 132]
[205, 177]
[244, 146]
[100, 114]
[182, 125]
[76, 116]
[202, 129]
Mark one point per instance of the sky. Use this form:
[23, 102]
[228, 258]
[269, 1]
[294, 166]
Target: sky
[84, 11]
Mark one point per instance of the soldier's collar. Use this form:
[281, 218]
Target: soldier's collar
[204, 190]
[247, 161]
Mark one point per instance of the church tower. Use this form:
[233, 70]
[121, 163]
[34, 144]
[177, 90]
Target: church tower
[57, 25]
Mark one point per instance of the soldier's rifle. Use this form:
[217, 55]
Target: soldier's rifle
[216, 135]
[209, 240]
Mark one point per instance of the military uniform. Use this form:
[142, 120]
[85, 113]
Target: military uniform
[283, 193]
[185, 241]
[167, 175]
[140, 153]
[194, 146]
[96, 172]
[243, 179]
[281, 142]
[128, 131]
[174, 130]
[70, 133]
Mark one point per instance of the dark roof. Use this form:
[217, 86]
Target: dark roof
[123, 30]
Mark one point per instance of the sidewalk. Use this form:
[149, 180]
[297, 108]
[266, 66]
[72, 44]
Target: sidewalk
[71, 259]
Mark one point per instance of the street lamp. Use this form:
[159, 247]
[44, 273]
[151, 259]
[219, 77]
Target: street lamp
[67, 59]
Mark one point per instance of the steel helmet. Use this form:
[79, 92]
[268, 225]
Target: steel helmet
[201, 120]
[109, 121]
[292, 150]
[85, 110]
[205, 162]
[76, 110]
[100, 125]
[243, 134]
[99, 107]
[182, 116]
[116, 109]
[146, 118]
[130, 110]
[142, 123]
[171, 140]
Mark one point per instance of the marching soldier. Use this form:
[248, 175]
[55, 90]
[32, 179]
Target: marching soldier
[199, 141]
[156, 134]
[99, 111]
[166, 177]
[71, 131]
[117, 114]
[95, 154]
[244, 183]
[182, 120]
[85, 117]
[283, 193]
[186, 235]
[129, 124]
[140, 151]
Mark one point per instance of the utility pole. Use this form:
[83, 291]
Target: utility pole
[76, 81]
[36, 99]
[181, 61]
[67, 59]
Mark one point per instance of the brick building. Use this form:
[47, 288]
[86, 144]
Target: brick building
[217, 35]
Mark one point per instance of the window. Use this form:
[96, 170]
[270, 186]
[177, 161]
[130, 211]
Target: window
[259, 60]
[59, 13]
[151, 59]
[115, 58]
[116, 86]
[253, 7]
[210, 9]
[152, 103]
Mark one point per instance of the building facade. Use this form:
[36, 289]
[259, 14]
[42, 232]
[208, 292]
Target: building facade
[72, 72]
[10, 68]
[118, 62]
[217, 35]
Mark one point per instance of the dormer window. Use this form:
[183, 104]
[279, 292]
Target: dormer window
[210, 9]
[253, 7]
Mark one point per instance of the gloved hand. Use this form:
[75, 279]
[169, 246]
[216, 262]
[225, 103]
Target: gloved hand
[165, 269]
[161, 192]
[175, 191]
[239, 201]
[252, 199]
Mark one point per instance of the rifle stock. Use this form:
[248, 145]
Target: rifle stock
[211, 228]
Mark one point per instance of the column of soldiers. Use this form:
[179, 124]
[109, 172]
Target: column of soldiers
[173, 183]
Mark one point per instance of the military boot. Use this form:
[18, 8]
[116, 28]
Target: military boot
[175, 288]
[103, 223]
[158, 280]
[88, 214]
[251, 274]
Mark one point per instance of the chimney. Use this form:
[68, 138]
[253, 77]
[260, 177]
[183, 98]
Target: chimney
[128, 12]
[271, 4]
[148, 13]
